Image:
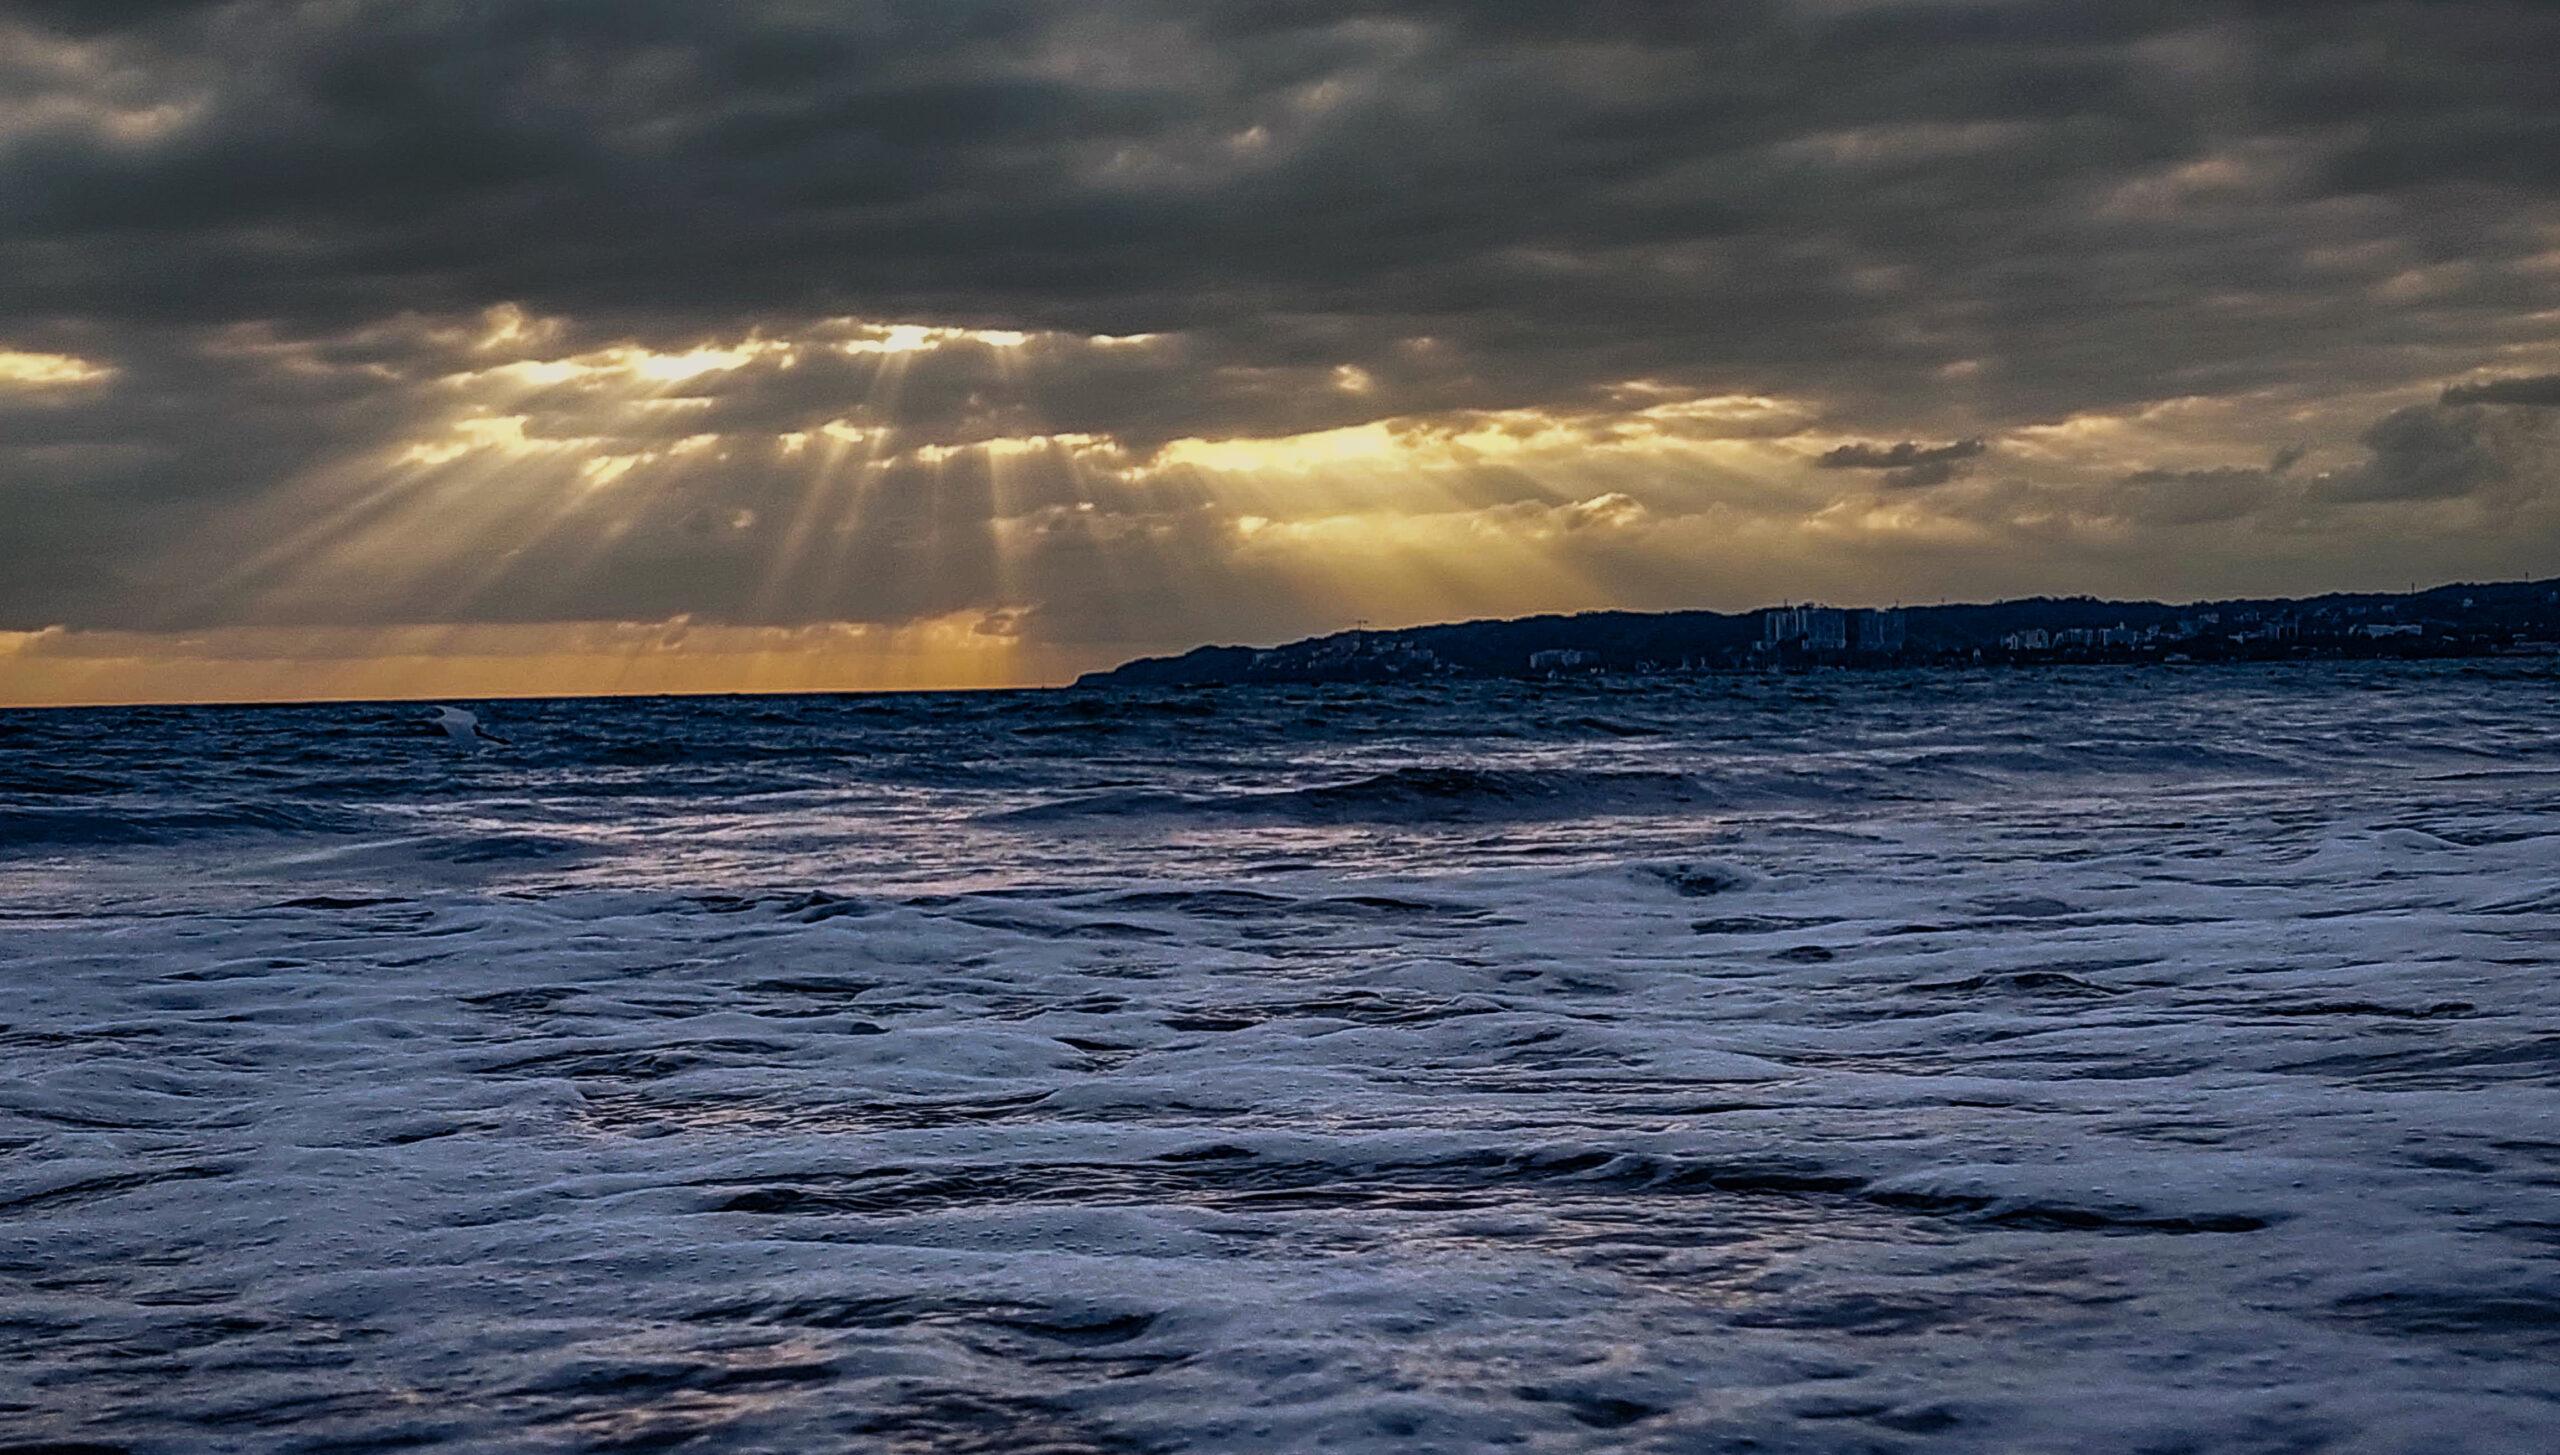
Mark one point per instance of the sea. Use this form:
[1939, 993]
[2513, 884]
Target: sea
[2121, 1061]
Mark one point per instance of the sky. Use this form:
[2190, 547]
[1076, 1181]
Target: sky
[364, 348]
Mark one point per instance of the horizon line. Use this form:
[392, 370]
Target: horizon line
[1071, 683]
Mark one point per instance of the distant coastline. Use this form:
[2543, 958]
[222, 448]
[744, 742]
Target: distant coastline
[2461, 620]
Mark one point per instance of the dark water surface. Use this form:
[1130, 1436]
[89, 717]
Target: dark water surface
[2123, 1061]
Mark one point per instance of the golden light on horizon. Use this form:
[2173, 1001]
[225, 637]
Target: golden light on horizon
[905, 524]
[962, 651]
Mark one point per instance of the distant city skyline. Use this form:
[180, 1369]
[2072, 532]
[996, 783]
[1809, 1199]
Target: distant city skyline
[2475, 619]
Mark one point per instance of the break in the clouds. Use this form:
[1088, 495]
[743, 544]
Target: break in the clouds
[975, 340]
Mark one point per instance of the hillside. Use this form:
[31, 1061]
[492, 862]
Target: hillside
[2454, 620]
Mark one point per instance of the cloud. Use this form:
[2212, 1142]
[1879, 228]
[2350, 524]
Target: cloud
[2436, 452]
[1934, 472]
[772, 313]
[2193, 497]
[1908, 465]
[1568, 200]
[1909, 453]
[2541, 390]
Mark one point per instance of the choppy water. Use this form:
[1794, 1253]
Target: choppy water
[2123, 1062]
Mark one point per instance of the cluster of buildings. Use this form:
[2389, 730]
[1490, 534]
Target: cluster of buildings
[2243, 629]
[1355, 656]
[1563, 659]
[2120, 636]
[2037, 639]
[1818, 635]
[1832, 630]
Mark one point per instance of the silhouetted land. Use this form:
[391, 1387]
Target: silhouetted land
[2447, 621]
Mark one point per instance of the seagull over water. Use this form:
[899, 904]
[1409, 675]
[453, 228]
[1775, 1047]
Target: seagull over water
[465, 729]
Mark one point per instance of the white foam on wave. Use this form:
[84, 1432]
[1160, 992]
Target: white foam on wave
[1834, 1144]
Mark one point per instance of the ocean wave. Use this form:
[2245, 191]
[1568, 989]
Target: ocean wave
[36, 780]
[1403, 795]
[42, 827]
[1832, 1065]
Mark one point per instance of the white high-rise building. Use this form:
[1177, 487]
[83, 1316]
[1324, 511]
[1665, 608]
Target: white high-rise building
[1814, 628]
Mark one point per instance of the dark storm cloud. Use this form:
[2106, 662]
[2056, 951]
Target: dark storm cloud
[1908, 465]
[2201, 497]
[2437, 452]
[1092, 166]
[1901, 456]
[2541, 389]
[276, 222]
[88, 17]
